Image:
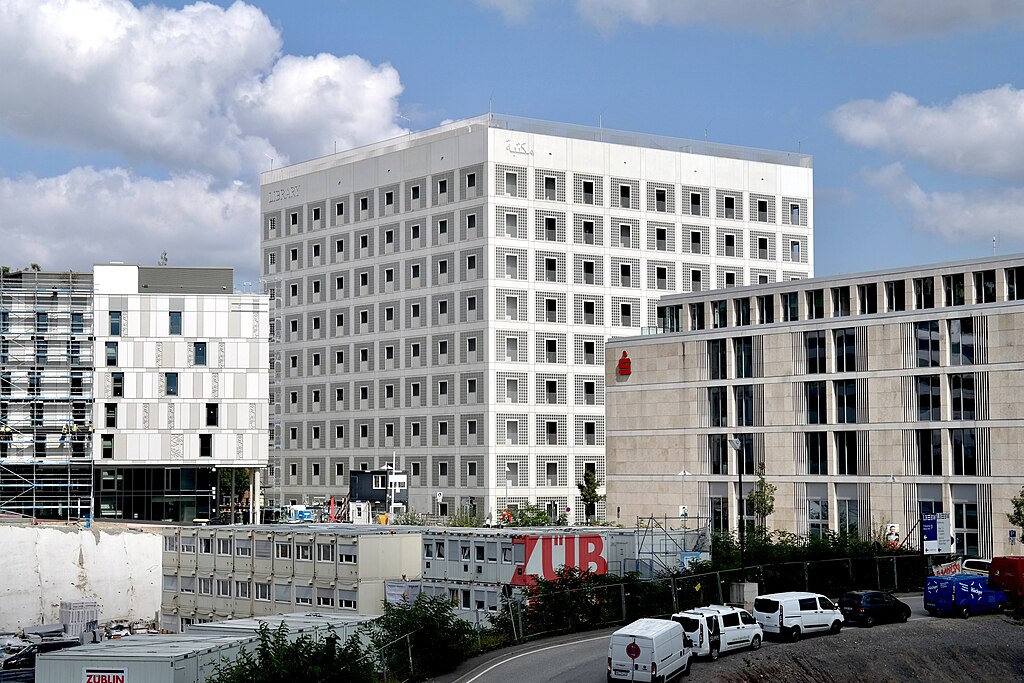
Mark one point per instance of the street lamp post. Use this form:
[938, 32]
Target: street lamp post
[737, 446]
[683, 515]
[892, 488]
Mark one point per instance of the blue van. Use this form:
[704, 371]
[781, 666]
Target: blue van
[962, 594]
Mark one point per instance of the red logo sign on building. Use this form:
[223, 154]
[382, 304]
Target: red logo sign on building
[543, 555]
[625, 365]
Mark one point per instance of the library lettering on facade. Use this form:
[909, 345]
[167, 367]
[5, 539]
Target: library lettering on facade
[871, 399]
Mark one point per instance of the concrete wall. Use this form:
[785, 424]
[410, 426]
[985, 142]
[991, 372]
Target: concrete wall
[42, 565]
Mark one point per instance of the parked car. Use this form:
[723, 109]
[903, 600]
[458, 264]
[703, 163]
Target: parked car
[796, 613]
[867, 608]
[719, 628]
[962, 594]
[650, 650]
[1007, 575]
[975, 565]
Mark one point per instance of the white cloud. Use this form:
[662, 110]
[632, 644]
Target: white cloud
[756, 15]
[201, 87]
[89, 216]
[956, 216]
[869, 19]
[979, 133]
[314, 102]
[514, 11]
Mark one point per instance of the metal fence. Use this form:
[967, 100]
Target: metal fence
[606, 605]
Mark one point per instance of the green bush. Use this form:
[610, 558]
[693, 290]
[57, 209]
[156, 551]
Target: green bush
[277, 658]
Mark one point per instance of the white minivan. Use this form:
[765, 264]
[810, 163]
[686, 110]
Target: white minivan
[719, 628]
[649, 650]
[796, 613]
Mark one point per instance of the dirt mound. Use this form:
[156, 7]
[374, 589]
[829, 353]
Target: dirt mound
[984, 648]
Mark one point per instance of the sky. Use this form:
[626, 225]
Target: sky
[132, 129]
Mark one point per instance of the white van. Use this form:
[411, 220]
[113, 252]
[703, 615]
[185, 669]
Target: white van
[719, 628]
[650, 650]
[795, 613]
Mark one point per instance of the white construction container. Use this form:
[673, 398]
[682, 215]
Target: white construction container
[174, 658]
[316, 626]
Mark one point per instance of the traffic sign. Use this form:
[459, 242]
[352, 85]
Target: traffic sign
[632, 650]
[440, 496]
[934, 532]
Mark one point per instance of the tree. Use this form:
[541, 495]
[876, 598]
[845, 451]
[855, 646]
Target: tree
[530, 515]
[762, 500]
[589, 495]
[277, 658]
[421, 639]
[235, 477]
[1016, 518]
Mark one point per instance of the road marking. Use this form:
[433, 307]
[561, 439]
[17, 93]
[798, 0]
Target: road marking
[530, 652]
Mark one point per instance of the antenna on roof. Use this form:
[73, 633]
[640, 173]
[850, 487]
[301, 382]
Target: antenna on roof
[994, 245]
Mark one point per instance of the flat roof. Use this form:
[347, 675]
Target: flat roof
[987, 262]
[169, 646]
[295, 621]
[345, 529]
[539, 127]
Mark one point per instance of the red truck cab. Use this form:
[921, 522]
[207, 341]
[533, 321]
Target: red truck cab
[1007, 574]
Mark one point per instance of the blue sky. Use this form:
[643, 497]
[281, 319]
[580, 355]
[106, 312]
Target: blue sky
[132, 129]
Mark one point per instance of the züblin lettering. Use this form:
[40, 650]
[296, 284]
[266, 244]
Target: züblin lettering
[105, 678]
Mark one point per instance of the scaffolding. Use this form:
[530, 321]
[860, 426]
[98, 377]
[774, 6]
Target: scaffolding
[661, 549]
[46, 394]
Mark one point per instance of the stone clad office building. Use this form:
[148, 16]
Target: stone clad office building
[870, 398]
[442, 299]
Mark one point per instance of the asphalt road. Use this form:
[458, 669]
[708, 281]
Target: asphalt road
[582, 658]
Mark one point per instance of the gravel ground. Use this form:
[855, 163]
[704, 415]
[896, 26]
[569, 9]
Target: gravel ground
[982, 648]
